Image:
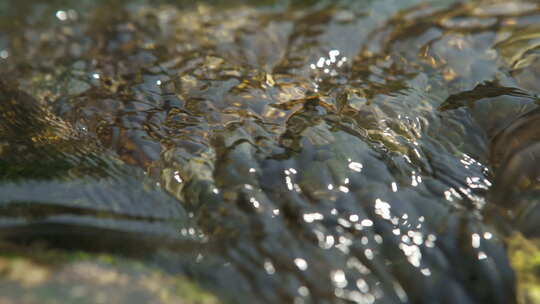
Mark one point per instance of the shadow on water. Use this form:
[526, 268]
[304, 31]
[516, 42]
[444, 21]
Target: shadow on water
[279, 152]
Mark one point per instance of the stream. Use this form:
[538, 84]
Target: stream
[278, 151]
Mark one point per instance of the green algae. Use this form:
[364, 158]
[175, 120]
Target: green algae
[52, 276]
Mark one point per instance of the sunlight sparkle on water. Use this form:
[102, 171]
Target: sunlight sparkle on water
[382, 208]
[311, 217]
[61, 15]
[475, 240]
[254, 202]
[355, 166]
[303, 291]
[339, 279]
[425, 271]
[269, 267]
[177, 176]
[301, 263]
[482, 255]
[366, 223]
[343, 189]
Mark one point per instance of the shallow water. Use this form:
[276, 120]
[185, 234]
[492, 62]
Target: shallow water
[274, 151]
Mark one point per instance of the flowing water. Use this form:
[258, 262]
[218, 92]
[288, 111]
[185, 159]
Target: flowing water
[280, 151]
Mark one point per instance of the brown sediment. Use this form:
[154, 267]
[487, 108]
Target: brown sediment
[517, 136]
[515, 157]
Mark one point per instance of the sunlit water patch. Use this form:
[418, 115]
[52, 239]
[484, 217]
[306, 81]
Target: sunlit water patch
[310, 152]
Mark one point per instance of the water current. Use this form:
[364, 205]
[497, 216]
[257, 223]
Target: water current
[280, 151]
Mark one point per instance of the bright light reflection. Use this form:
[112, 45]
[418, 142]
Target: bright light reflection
[177, 176]
[418, 237]
[425, 271]
[412, 252]
[356, 166]
[339, 279]
[325, 64]
[451, 193]
[362, 285]
[416, 180]
[303, 291]
[329, 241]
[61, 15]
[382, 208]
[475, 240]
[343, 244]
[343, 222]
[301, 263]
[364, 240]
[269, 267]
[325, 241]
[354, 263]
[368, 253]
[482, 255]
[430, 241]
[4, 54]
[288, 181]
[255, 203]
[311, 217]
[367, 223]
[333, 54]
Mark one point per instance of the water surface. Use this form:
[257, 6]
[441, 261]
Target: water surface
[278, 151]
